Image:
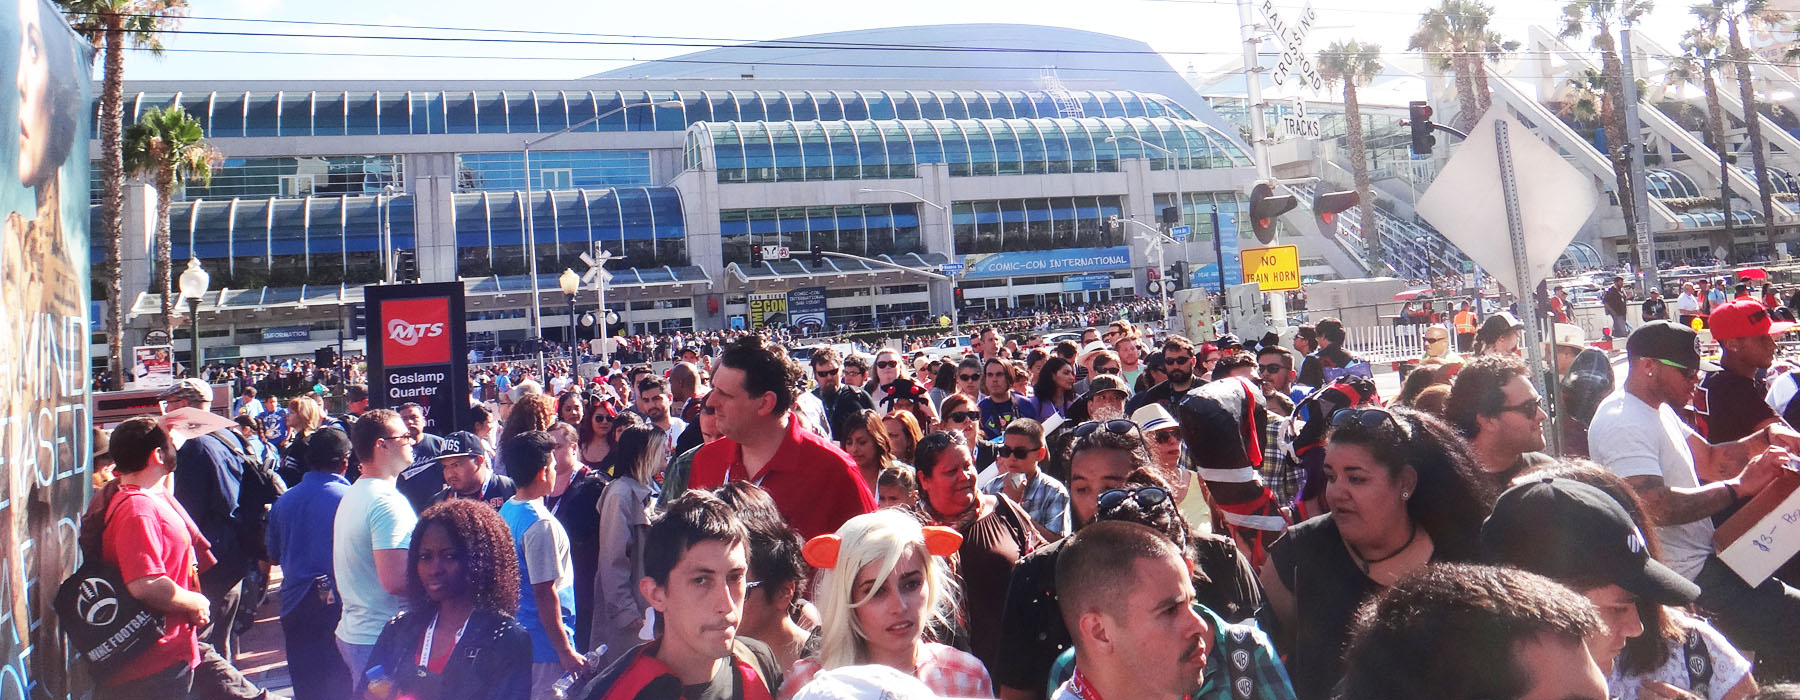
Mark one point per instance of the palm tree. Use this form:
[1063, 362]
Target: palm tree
[1455, 37]
[1577, 16]
[1745, 11]
[1701, 58]
[110, 25]
[1356, 63]
[168, 147]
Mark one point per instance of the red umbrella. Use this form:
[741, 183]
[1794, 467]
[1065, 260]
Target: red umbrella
[1753, 273]
[1412, 294]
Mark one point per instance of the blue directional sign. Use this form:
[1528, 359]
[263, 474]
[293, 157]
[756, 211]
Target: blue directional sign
[1228, 248]
[1181, 233]
[951, 268]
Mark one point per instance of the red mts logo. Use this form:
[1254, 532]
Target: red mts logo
[415, 331]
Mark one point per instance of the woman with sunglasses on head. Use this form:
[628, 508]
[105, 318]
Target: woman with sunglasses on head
[883, 584]
[457, 638]
[1404, 491]
[866, 441]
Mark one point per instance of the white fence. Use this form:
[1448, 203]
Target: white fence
[1386, 344]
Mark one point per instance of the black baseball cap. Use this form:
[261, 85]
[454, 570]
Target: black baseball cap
[326, 447]
[463, 443]
[1672, 343]
[1570, 531]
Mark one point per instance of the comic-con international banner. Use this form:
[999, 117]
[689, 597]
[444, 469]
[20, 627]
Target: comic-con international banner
[44, 442]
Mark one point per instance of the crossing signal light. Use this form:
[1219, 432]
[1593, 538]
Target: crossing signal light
[1265, 207]
[1180, 279]
[818, 256]
[1327, 205]
[756, 258]
[960, 301]
[1419, 117]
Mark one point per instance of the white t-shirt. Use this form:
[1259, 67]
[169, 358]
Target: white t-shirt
[373, 516]
[547, 556]
[1728, 666]
[1632, 438]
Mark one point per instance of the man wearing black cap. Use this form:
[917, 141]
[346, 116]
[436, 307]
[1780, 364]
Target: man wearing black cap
[300, 541]
[1637, 434]
[1316, 370]
[469, 473]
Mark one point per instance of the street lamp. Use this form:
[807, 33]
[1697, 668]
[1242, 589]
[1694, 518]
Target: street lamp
[1180, 205]
[955, 313]
[537, 319]
[194, 282]
[571, 283]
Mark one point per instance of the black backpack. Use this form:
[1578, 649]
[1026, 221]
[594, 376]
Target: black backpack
[105, 624]
[257, 490]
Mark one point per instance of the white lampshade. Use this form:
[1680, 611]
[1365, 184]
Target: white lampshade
[194, 280]
[569, 281]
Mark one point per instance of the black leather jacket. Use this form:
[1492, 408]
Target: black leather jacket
[493, 660]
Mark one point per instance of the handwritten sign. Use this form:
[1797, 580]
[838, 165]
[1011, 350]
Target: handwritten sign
[1765, 533]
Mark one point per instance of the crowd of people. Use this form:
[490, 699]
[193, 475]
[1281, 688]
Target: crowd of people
[1124, 515]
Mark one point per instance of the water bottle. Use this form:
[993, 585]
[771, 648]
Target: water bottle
[560, 689]
[376, 682]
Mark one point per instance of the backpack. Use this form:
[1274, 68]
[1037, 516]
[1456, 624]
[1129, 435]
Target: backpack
[105, 624]
[257, 490]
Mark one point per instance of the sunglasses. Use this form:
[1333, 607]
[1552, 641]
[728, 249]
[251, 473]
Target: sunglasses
[1272, 369]
[968, 377]
[1166, 436]
[1147, 497]
[1106, 370]
[1528, 408]
[1367, 418]
[1689, 372]
[1116, 426]
[962, 416]
[825, 372]
[886, 364]
[1016, 452]
[1178, 360]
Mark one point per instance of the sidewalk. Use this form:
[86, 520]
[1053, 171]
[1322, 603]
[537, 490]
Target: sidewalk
[262, 655]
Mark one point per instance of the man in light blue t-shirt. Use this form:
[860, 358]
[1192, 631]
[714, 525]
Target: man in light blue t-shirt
[546, 568]
[370, 536]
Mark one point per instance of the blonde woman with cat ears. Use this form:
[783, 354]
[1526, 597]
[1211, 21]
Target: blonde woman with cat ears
[883, 583]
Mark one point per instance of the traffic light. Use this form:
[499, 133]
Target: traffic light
[1326, 206]
[1171, 216]
[325, 357]
[1419, 117]
[959, 300]
[359, 319]
[1181, 278]
[406, 265]
[756, 258]
[818, 255]
[1265, 206]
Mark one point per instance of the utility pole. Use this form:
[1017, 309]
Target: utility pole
[1259, 141]
[1634, 142]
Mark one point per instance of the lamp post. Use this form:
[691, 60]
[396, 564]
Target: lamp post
[571, 283]
[537, 319]
[194, 282]
[1180, 209]
[955, 313]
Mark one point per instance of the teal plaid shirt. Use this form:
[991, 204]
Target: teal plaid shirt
[1256, 671]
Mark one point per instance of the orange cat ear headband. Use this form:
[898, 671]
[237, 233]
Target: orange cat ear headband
[822, 551]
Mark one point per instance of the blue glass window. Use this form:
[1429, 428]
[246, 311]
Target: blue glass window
[259, 117]
[831, 107]
[775, 106]
[759, 157]
[459, 112]
[804, 106]
[1008, 154]
[728, 152]
[360, 120]
[815, 150]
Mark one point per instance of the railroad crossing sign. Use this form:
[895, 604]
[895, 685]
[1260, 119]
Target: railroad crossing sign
[1299, 124]
[597, 274]
[775, 252]
[1181, 233]
[1292, 37]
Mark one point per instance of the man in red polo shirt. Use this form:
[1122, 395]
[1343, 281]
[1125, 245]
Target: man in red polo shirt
[815, 485]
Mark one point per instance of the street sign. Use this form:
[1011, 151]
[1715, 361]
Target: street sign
[597, 274]
[1299, 124]
[1292, 38]
[1181, 233]
[951, 269]
[775, 252]
[1275, 269]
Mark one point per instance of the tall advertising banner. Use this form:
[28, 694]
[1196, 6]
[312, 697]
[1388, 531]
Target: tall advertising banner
[416, 351]
[768, 310]
[45, 440]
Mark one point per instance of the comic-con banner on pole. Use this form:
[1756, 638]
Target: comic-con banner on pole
[806, 306]
[768, 310]
[419, 327]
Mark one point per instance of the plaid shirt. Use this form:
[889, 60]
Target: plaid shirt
[1261, 670]
[949, 673]
[1280, 471]
[1045, 499]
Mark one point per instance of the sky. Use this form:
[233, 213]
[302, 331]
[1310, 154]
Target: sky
[572, 38]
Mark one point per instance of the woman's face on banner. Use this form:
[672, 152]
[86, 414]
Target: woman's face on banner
[34, 95]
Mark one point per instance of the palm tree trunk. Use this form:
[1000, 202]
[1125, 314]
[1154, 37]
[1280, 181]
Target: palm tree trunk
[1715, 120]
[1753, 125]
[1359, 167]
[1483, 98]
[112, 193]
[1612, 120]
[1468, 110]
[165, 192]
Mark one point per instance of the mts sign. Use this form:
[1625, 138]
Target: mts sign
[415, 331]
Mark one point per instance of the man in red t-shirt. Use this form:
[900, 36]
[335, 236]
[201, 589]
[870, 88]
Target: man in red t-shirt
[150, 539]
[815, 485]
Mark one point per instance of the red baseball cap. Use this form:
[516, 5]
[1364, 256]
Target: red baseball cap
[1744, 318]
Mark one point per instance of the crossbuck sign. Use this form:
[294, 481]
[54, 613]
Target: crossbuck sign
[1293, 44]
